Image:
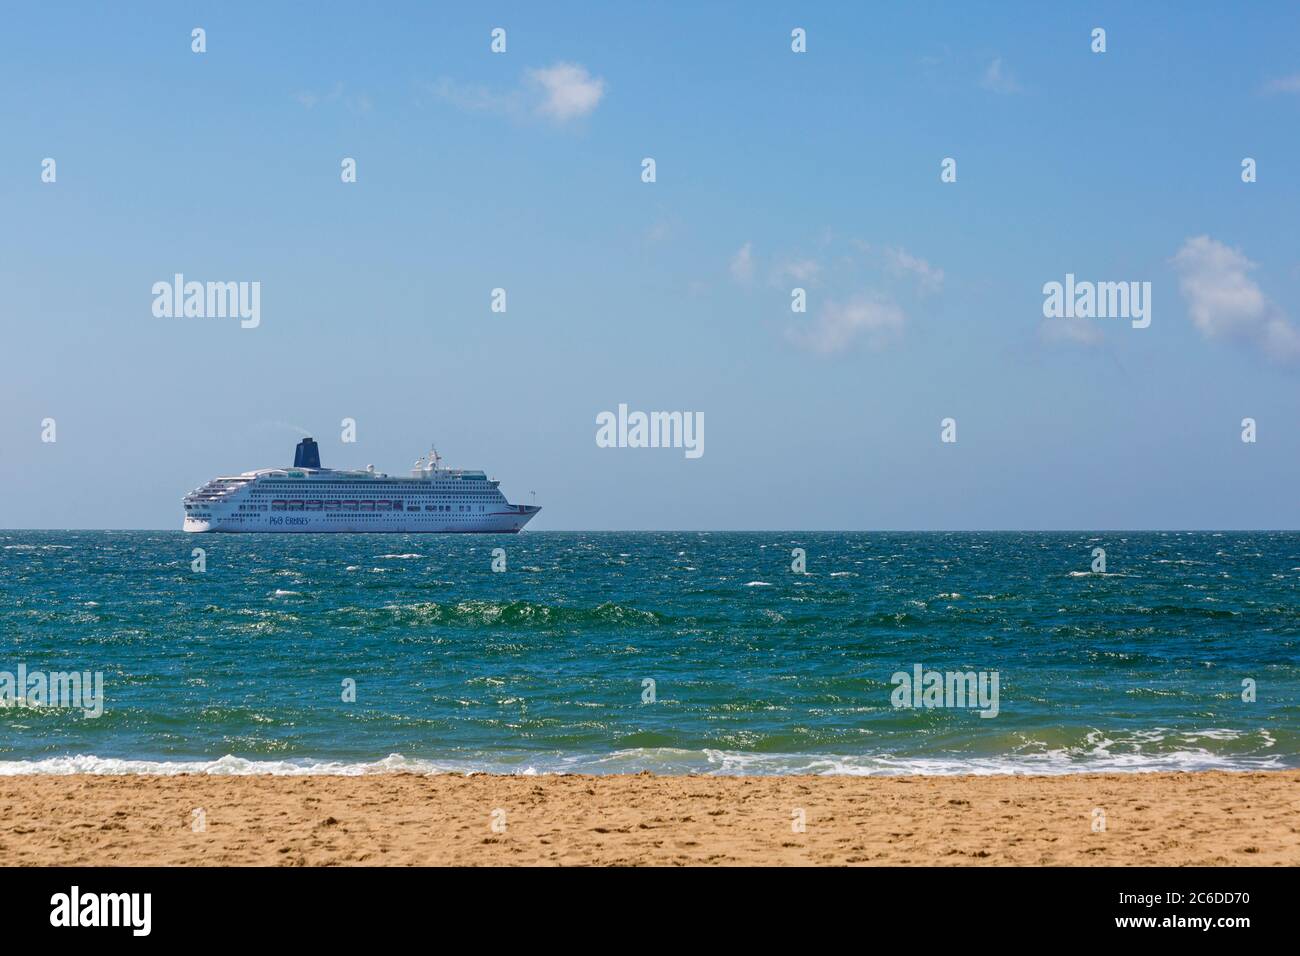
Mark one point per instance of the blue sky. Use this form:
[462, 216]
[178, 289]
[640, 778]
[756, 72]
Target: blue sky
[774, 169]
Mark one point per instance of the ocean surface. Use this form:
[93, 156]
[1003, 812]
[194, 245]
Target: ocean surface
[756, 669]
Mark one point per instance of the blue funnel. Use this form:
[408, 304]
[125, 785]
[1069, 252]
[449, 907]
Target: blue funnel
[307, 455]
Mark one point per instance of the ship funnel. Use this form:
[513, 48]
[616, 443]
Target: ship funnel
[307, 454]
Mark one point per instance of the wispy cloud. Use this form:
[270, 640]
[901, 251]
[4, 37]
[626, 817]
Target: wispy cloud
[800, 270]
[356, 102]
[838, 325]
[660, 231]
[742, 263]
[864, 288]
[560, 93]
[1226, 304]
[998, 79]
[476, 99]
[1071, 331]
[1284, 84]
[902, 263]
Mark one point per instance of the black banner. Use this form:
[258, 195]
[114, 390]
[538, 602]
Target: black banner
[320, 904]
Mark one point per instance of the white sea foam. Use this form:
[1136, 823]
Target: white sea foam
[226, 766]
[673, 762]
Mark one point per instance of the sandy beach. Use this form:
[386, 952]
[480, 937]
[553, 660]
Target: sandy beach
[408, 819]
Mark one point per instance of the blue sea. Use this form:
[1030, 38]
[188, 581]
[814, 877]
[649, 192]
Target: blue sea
[667, 652]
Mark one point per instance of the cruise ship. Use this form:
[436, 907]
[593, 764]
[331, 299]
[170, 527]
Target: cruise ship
[309, 498]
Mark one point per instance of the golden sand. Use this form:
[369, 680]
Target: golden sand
[404, 819]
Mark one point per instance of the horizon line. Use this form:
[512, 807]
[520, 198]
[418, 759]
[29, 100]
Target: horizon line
[476, 534]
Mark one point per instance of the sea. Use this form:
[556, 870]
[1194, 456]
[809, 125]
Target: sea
[669, 652]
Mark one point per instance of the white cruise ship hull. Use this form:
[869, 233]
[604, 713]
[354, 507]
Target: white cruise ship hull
[308, 499]
[309, 523]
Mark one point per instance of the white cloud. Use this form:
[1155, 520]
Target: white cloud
[998, 78]
[569, 91]
[1225, 303]
[560, 92]
[742, 263]
[838, 325]
[1071, 331]
[863, 286]
[1284, 84]
[659, 232]
[800, 270]
[901, 262]
[356, 102]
